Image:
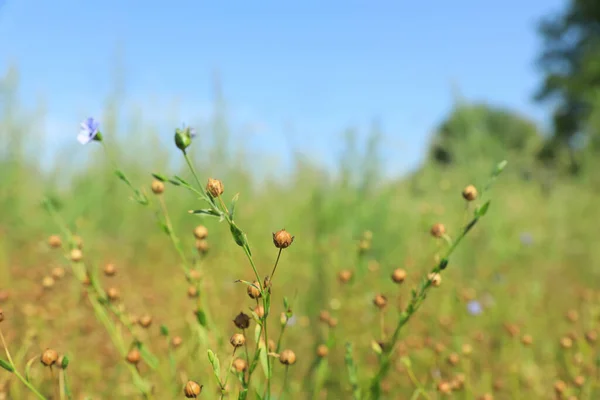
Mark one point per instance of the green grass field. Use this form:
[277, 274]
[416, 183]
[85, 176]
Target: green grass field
[515, 315]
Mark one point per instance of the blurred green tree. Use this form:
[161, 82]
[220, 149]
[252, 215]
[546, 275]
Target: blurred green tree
[570, 62]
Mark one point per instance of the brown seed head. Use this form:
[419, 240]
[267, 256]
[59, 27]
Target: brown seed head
[58, 273]
[560, 386]
[453, 359]
[436, 279]
[202, 246]
[399, 275]
[76, 255]
[195, 275]
[438, 230]
[192, 292]
[176, 341]
[157, 187]
[322, 351]
[259, 311]
[214, 187]
[253, 290]
[486, 396]
[201, 232]
[591, 337]
[239, 365]
[282, 239]
[444, 387]
[110, 269]
[469, 193]
[145, 321]
[1, 315]
[512, 329]
[332, 322]
[4, 296]
[344, 276]
[572, 315]
[86, 280]
[237, 340]
[113, 294]
[380, 301]
[439, 348]
[54, 241]
[579, 381]
[527, 340]
[467, 349]
[47, 282]
[134, 356]
[49, 357]
[242, 321]
[192, 390]
[287, 357]
[324, 316]
[566, 342]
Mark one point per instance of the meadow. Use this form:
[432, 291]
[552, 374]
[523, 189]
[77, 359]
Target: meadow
[142, 268]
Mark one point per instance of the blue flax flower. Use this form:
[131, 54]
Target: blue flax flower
[89, 131]
[474, 307]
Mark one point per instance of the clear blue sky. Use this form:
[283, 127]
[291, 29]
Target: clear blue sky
[297, 72]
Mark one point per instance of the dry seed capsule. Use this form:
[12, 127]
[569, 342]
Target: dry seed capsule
[469, 193]
[322, 351]
[282, 239]
[134, 356]
[436, 279]
[192, 292]
[202, 246]
[201, 232]
[49, 357]
[157, 187]
[259, 311]
[239, 365]
[242, 321]
[380, 301]
[110, 269]
[1, 315]
[254, 291]
[287, 357]
[344, 276]
[438, 230]
[58, 273]
[76, 255]
[399, 275]
[54, 241]
[145, 321]
[214, 187]
[237, 340]
[47, 282]
[192, 390]
[527, 340]
[113, 294]
[176, 341]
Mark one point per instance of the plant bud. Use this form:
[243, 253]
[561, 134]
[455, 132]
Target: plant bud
[566, 342]
[259, 311]
[322, 351]
[453, 359]
[436, 279]
[201, 232]
[47, 282]
[242, 321]
[58, 272]
[239, 365]
[192, 390]
[237, 340]
[176, 341]
[134, 356]
[183, 138]
[113, 294]
[399, 275]
[145, 321]
[591, 337]
[380, 301]
[287, 357]
[76, 255]
[253, 290]
[560, 387]
[110, 269]
[324, 316]
[469, 193]
[157, 187]
[438, 230]
[54, 241]
[332, 322]
[49, 357]
[202, 246]
[214, 187]
[282, 239]
[344, 276]
[527, 340]
[192, 292]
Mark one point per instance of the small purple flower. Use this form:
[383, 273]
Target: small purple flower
[526, 239]
[474, 307]
[89, 131]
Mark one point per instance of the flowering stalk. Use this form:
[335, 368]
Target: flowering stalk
[418, 296]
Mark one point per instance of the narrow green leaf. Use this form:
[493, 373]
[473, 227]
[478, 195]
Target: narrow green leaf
[233, 204]
[164, 330]
[201, 317]
[205, 212]
[160, 177]
[148, 357]
[499, 168]
[174, 182]
[481, 211]
[263, 361]
[6, 366]
[122, 176]
[181, 180]
[28, 368]
[214, 361]
[238, 235]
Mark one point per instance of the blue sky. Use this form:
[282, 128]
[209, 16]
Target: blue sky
[295, 73]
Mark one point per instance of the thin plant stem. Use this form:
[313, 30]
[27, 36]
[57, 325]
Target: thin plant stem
[285, 380]
[275, 266]
[17, 374]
